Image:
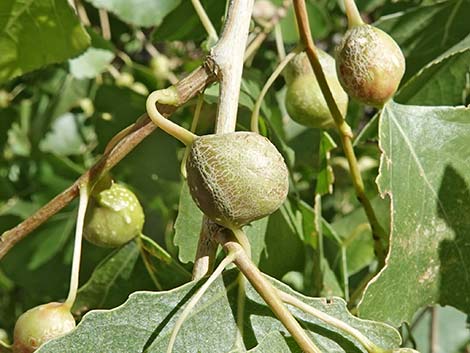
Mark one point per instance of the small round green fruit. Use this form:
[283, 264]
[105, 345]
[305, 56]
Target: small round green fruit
[370, 64]
[41, 324]
[113, 217]
[236, 178]
[304, 99]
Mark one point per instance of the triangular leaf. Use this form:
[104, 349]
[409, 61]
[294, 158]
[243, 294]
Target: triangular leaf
[145, 321]
[424, 169]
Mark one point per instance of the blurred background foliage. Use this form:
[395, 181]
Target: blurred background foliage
[56, 120]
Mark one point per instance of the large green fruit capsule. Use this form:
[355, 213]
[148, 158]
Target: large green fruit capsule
[370, 64]
[41, 324]
[304, 99]
[236, 178]
[113, 217]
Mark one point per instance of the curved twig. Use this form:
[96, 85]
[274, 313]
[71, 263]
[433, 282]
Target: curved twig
[186, 88]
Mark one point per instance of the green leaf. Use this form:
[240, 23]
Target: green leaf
[91, 63]
[424, 168]
[168, 272]
[444, 81]
[451, 330]
[53, 239]
[273, 342]
[285, 249]
[64, 138]
[425, 32]
[18, 207]
[145, 321]
[120, 263]
[184, 24]
[136, 12]
[187, 226]
[37, 33]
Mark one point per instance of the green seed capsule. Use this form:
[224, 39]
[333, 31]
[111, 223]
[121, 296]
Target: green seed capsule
[304, 99]
[114, 217]
[41, 324]
[236, 178]
[370, 64]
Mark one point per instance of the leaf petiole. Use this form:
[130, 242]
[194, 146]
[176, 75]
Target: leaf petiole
[77, 248]
[167, 96]
[192, 303]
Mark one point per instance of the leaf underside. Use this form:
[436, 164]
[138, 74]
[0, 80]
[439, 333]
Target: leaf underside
[144, 323]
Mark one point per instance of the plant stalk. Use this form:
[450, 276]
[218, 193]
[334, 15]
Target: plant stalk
[194, 123]
[77, 248]
[267, 292]
[282, 64]
[267, 28]
[148, 264]
[167, 96]
[330, 320]
[378, 233]
[205, 20]
[354, 17]
[319, 278]
[227, 56]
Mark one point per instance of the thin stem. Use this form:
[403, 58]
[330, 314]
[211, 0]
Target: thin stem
[344, 272]
[167, 96]
[378, 233]
[155, 250]
[5, 345]
[77, 247]
[148, 264]
[243, 240]
[206, 22]
[366, 342]
[320, 250]
[104, 23]
[227, 59]
[267, 85]
[267, 28]
[354, 17]
[187, 88]
[118, 137]
[197, 113]
[267, 292]
[155, 54]
[82, 15]
[197, 296]
[281, 51]
[359, 289]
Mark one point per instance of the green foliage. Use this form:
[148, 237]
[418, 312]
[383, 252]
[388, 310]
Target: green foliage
[132, 327]
[428, 257]
[144, 14]
[37, 33]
